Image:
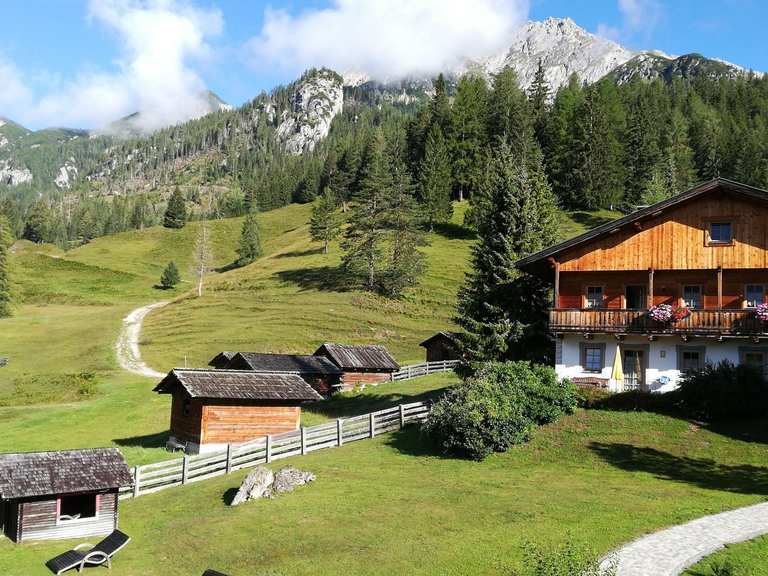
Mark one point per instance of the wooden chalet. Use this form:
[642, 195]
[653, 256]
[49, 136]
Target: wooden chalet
[442, 346]
[703, 252]
[213, 408]
[54, 495]
[319, 372]
[360, 365]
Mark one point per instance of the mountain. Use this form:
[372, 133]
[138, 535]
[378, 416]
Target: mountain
[652, 66]
[137, 125]
[10, 133]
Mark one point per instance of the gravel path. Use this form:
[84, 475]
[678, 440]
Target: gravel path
[127, 348]
[670, 551]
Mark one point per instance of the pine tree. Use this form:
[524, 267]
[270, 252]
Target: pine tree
[325, 222]
[509, 112]
[469, 136]
[680, 154]
[176, 212]
[38, 223]
[435, 180]
[6, 239]
[538, 96]
[643, 152]
[249, 247]
[499, 307]
[440, 107]
[558, 148]
[170, 276]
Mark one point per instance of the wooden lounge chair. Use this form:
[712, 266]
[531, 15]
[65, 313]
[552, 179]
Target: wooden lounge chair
[100, 554]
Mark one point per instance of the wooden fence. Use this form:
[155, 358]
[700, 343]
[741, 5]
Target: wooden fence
[179, 471]
[414, 370]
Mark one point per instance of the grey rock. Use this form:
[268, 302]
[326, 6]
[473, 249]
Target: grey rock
[258, 484]
[289, 477]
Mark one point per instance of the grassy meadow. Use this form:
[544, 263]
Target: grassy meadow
[745, 559]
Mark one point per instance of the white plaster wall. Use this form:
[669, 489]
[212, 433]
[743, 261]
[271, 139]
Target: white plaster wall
[662, 359]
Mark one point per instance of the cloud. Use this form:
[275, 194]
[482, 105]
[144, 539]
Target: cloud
[387, 38]
[159, 40]
[639, 19]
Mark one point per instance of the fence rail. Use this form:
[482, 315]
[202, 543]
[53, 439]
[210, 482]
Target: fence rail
[415, 370]
[179, 471]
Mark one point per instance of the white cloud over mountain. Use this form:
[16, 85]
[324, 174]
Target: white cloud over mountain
[160, 41]
[387, 38]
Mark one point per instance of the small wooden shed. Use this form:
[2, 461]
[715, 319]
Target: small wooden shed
[360, 364]
[53, 495]
[213, 408]
[317, 371]
[442, 346]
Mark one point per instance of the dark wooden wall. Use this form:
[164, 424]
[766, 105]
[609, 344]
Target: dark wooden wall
[186, 427]
[441, 349]
[38, 520]
[675, 240]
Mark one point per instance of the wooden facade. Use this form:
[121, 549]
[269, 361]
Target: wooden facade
[360, 365]
[442, 346]
[70, 494]
[606, 279]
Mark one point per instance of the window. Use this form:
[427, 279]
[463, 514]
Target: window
[692, 296]
[754, 356]
[755, 294]
[720, 233]
[594, 297]
[187, 408]
[690, 358]
[592, 357]
[77, 507]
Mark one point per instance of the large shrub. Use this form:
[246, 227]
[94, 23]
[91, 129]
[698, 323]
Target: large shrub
[497, 407]
[724, 391]
[565, 560]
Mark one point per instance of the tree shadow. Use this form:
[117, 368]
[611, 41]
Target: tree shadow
[228, 267]
[147, 441]
[454, 231]
[411, 441]
[324, 278]
[588, 220]
[346, 405]
[704, 473]
[300, 253]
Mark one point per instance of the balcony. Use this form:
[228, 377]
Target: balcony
[623, 321]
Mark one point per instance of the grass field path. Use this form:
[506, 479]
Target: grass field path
[127, 348]
[669, 552]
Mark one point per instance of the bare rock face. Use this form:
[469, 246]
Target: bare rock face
[256, 485]
[289, 477]
[13, 175]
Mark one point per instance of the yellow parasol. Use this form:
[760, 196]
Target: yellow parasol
[618, 372]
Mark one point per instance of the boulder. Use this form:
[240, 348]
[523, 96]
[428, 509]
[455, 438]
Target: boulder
[289, 477]
[258, 484]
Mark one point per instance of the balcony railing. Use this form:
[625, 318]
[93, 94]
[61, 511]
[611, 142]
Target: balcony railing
[622, 321]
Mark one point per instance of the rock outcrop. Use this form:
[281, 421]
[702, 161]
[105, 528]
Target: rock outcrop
[262, 483]
[13, 175]
[67, 175]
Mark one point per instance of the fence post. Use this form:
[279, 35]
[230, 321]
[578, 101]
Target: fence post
[269, 448]
[409, 372]
[303, 440]
[339, 432]
[184, 469]
[372, 423]
[229, 458]
[402, 416]
[135, 481]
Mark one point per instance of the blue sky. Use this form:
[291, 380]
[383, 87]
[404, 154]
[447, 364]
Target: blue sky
[57, 50]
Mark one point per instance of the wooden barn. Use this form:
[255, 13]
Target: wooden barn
[69, 494]
[213, 408]
[442, 346]
[221, 360]
[317, 371]
[360, 365]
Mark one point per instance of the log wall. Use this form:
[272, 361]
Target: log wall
[38, 520]
[186, 427]
[229, 423]
[351, 379]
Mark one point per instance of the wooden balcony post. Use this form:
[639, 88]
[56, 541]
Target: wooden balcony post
[556, 291]
[719, 287]
[650, 287]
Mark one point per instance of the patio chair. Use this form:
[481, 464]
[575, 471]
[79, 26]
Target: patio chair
[100, 554]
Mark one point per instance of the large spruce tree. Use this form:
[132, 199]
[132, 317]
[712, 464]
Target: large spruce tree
[176, 212]
[6, 239]
[435, 179]
[249, 247]
[502, 310]
[326, 221]
[469, 136]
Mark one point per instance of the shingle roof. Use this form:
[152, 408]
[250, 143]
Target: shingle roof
[222, 359]
[367, 357]
[238, 385]
[718, 183]
[290, 363]
[29, 474]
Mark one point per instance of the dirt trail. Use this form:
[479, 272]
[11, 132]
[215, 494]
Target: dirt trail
[127, 348]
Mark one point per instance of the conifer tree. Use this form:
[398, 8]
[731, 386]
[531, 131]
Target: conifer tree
[435, 180]
[469, 137]
[38, 223]
[509, 112]
[325, 222]
[6, 239]
[249, 247]
[499, 307]
[176, 212]
[170, 276]
[538, 96]
[643, 152]
[558, 142]
[440, 107]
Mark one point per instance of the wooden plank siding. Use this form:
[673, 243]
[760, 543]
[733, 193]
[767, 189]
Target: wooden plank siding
[186, 426]
[676, 240]
[233, 423]
[351, 379]
[38, 520]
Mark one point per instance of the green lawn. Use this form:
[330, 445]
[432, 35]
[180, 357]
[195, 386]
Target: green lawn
[393, 505]
[746, 559]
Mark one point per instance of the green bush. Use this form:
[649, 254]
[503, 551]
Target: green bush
[497, 407]
[635, 401]
[591, 396]
[565, 560]
[724, 391]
